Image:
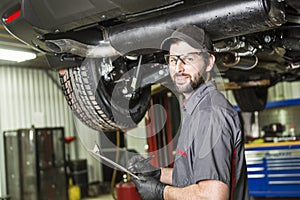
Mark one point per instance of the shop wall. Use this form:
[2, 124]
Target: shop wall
[284, 91]
[284, 114]
[281, 91]
[30, 97]
[287, 116]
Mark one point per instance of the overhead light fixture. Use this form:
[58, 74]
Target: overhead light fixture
[16, 55]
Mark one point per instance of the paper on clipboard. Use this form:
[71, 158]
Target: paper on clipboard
[96, 152]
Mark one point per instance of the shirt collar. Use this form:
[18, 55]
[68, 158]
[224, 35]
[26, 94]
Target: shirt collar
[191, 103]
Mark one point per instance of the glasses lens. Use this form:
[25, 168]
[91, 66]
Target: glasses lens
[167, 58]
[171, 60]
[188, 58]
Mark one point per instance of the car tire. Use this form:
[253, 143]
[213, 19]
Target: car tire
[95, 104]
[251, 99]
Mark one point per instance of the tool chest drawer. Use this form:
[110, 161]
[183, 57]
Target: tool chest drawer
[274, 170]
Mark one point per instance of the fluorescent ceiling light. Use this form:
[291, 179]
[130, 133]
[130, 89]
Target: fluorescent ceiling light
[17, 56]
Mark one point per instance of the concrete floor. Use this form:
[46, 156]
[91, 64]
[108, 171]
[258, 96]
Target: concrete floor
[109, 197]
[282, 198]
[101, 197]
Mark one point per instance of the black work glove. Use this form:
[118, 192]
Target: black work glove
[139, 165]
[150, 188]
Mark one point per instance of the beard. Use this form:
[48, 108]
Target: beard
[191, 85]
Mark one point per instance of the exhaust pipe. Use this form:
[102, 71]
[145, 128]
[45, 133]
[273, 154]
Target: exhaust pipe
[231, 60]
[104, 49]
[221, 19]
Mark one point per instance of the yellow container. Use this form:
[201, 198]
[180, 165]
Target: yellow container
[73, 191]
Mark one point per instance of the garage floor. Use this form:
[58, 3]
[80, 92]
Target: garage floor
[109, 197]
[101, 197]
[282, 198]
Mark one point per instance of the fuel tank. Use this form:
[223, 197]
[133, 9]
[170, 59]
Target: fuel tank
[127, 190]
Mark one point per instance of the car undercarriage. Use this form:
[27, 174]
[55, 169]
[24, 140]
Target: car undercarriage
[108, 52]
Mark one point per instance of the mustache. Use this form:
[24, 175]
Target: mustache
[182, 74]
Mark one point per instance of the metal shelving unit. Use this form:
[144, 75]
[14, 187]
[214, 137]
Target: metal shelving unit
[35, 164]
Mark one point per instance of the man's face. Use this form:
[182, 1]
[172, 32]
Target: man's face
[188, 71]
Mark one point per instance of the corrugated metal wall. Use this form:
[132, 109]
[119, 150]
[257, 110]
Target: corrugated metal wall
[30, 97]
[285, 115]
[284, 90]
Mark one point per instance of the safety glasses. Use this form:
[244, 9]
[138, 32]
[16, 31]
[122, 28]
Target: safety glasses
[186, 59]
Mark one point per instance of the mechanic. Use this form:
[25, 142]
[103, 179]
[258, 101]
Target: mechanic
[210, 160]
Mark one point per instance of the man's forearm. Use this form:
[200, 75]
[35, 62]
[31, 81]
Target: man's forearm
[208, 190]
[166, 175]
[174, 193]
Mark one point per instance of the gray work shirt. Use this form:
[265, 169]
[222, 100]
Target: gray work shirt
[210, 145]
